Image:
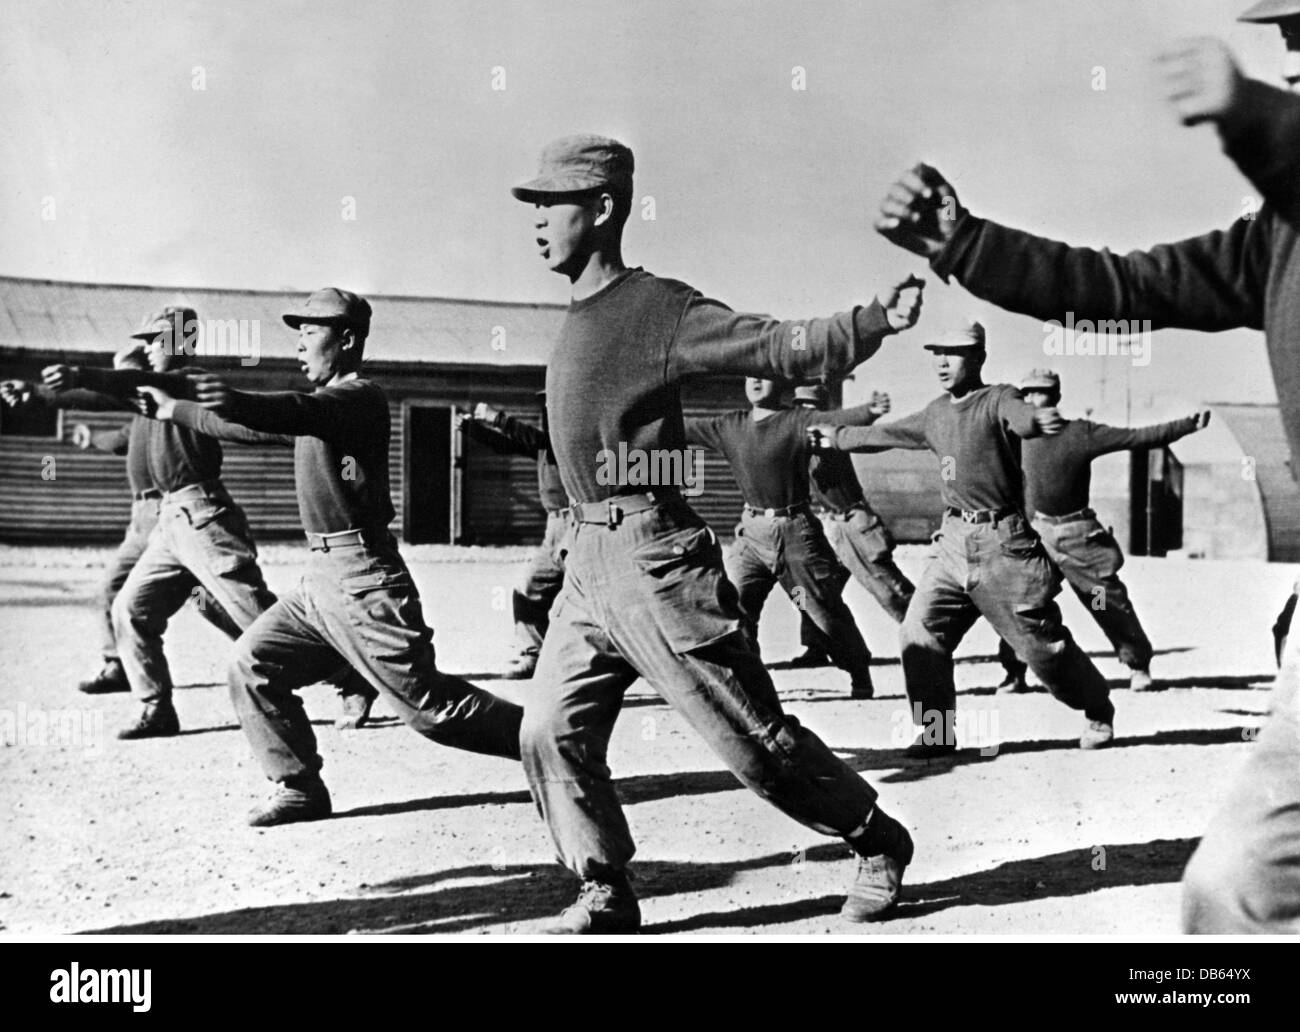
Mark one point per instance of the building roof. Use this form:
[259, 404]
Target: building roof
[1258, 428]
[48, 315]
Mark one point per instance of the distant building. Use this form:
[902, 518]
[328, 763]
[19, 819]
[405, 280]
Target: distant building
[432, 356]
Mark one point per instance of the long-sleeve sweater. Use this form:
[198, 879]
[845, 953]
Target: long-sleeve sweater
[977, 438]
[513, 436]
[769, 456]
[1058, 469]
[613, 385]
[1245, 276]
[340, 449]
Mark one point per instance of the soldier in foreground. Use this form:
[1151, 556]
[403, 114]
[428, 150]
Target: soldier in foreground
[986, 559]
[1245, 875]
[645, 594]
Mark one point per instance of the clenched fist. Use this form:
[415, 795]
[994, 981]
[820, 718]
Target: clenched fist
[1202, 419]
[902, 304]
[920, 212]
[485, 413]
[211, 391]
[880, 403]
[1201, 80]
[15, 392]
[1049, 420]
[154, 403]
[821, 438]
[81, 436]
[59, 377]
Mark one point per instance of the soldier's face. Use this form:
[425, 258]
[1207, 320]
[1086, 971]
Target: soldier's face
[955, 368]
[562, 224]
[320, 350]
[760, 392]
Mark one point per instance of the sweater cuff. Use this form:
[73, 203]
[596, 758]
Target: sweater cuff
[945, 263]
[870, 327]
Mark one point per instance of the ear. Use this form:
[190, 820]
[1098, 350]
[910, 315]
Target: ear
[349, 339]
[604, 207]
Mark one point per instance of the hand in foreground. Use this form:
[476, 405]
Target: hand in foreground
[1201, 80]
[920, 212]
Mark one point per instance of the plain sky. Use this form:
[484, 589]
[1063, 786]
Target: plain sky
[763, 194]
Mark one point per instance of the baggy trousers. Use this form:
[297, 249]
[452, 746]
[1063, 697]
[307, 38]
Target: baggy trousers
[201, 549]
[648, 598]
[1088, 556]
[533, 599]
[144, 517]
[793, 551]
[1001, 571]
[1245, 875]
[355, 604]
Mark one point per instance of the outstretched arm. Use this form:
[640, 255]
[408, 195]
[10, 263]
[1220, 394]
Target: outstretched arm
[907, 433]
[1210, 282]
[711, 339]
[1104, 439]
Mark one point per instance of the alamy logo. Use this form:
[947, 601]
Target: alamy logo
[1105, 338]
[656, 467]
[95, 985]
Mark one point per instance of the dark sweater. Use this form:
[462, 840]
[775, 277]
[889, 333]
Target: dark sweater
[512, 436]
[977, 439]
[130, 440]
[174, 456]
[623, 354]
[834, 481]
[769, 457]
[1245, 276]
[1058, 469]
[340, 449]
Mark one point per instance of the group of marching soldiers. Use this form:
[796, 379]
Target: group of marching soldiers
[630, 582]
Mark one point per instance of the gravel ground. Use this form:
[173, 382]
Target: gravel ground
[1029, 836]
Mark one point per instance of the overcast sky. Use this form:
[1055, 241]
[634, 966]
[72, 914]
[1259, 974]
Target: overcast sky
[763, 194]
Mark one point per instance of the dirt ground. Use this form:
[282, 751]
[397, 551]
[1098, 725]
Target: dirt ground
[1028, 835]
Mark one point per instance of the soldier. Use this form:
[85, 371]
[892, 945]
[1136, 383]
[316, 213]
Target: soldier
[532, 600]
[779, 540]
[858, 536]
[200, 548]
[144, 501]
[1058, 475]
[1245, 875]
[986, 558]
[357, 602]
[645, 594]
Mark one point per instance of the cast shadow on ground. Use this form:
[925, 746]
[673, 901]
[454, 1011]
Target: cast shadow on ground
[523, 897]
[789, 664]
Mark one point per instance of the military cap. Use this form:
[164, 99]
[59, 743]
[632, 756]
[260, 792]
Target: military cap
[332, 305]
[573, 164]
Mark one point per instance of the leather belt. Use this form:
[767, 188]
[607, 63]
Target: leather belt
[789, 510]
[203, 489]
[1069, 517]
[346, 539]
[844, 514]
[612, 510]
[148, 494]
[981, 515]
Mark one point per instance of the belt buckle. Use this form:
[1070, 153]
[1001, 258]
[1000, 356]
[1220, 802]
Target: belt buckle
[615, 514]
[769, 513]
[967, 516]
